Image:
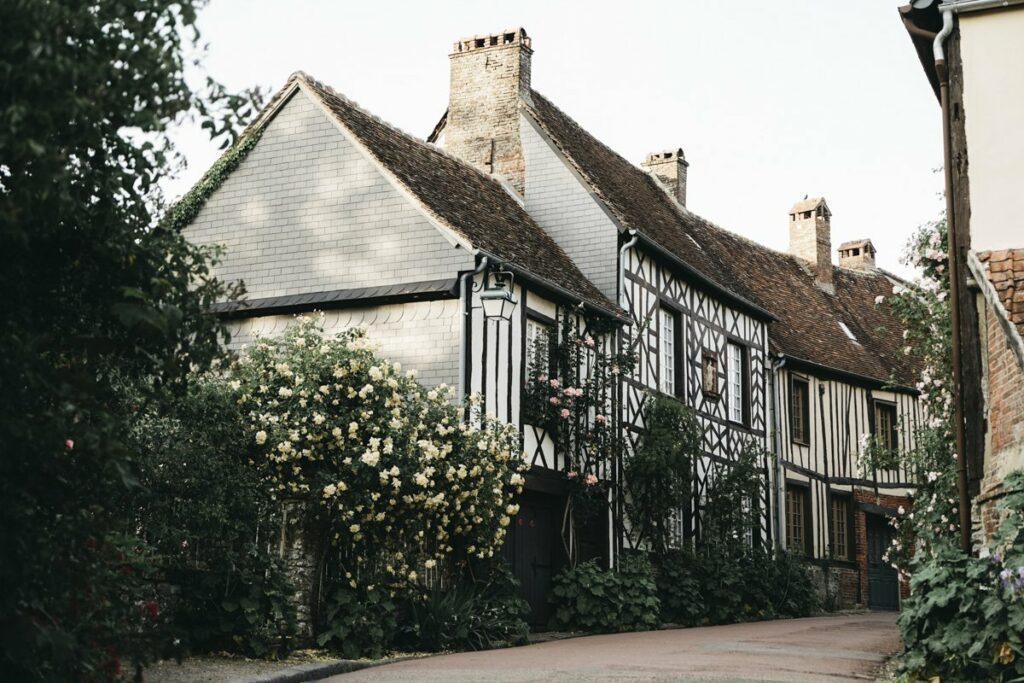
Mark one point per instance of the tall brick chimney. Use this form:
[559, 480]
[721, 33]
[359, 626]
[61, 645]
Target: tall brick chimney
[489, 75]
[810, 237]
[857, 255]
[670, 167]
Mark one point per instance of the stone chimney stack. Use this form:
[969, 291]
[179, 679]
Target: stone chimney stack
[489, 75]
[670, 167]
[810, 237]
[857, 255]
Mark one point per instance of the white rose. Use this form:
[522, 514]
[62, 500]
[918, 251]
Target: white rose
[261, 437]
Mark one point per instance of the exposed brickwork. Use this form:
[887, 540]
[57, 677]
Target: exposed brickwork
[306, 212]
[810, 237]
[861, 530]
[670, 167]
[489, 76]
[1004, 402]
[1006, 272]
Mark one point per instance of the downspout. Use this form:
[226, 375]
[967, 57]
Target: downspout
[618, 511]
[954, 281]
[777, 447]
[634, 238]
[464, 302]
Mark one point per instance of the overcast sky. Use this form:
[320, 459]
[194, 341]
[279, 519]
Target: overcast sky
[769, 100]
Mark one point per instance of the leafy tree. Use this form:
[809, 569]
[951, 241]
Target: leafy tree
[94, 288]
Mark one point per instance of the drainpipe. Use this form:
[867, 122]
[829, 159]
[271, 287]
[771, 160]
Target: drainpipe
[776, 365]
[634, 237]
[616, 527]
[954, 281]
[464, 296]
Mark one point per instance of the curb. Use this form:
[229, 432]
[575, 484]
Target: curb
[314, 671]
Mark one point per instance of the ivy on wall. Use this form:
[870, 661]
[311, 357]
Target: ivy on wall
[188, 207]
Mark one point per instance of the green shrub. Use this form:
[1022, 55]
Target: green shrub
[964, 619]
[658, 476]
[679, 590]
[587, 598]
[714, 588]
[792, 589]
[358, 622]
[206, 520]
[475, 615]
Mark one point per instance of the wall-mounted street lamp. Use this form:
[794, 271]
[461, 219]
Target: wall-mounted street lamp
[498, 298]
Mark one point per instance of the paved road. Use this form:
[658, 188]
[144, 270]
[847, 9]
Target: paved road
[842, 648]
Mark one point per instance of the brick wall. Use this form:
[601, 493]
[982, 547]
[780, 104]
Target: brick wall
[307, 212]
[811, 240]
[422, 335]
[861, 531]
[1004, 400]
[489, 74]
[568, 212]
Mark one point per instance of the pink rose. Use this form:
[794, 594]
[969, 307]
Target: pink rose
[571, 474]
[601, 418]
[69, 444]
[569, 391]
[554, 400]
[554, 383]
[565, 413]
[588, 340]
[590, 480]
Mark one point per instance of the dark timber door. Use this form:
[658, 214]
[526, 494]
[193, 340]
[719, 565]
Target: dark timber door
[534, 553]
[883, 588]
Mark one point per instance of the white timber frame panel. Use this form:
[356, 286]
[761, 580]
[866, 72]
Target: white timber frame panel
[706, 327]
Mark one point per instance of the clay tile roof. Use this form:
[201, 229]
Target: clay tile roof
[808, 320]
[1005, 270]
[476, 206]
[806, 205]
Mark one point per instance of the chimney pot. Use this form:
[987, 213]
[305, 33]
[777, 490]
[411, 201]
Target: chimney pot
[670, 168]
[857, 255]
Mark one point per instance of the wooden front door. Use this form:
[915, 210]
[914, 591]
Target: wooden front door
[883, 587]
[534, 551]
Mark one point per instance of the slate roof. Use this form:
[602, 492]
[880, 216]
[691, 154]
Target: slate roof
[807, 326]
[474, 205]
[1005, 270]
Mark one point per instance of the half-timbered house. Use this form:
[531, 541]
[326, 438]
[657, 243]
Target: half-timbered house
[512, 205]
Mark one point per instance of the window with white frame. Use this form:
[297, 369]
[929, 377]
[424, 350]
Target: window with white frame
[668, 332]
[736, 370]
[538, 354]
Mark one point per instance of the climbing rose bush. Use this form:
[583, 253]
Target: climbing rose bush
[403, 482]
